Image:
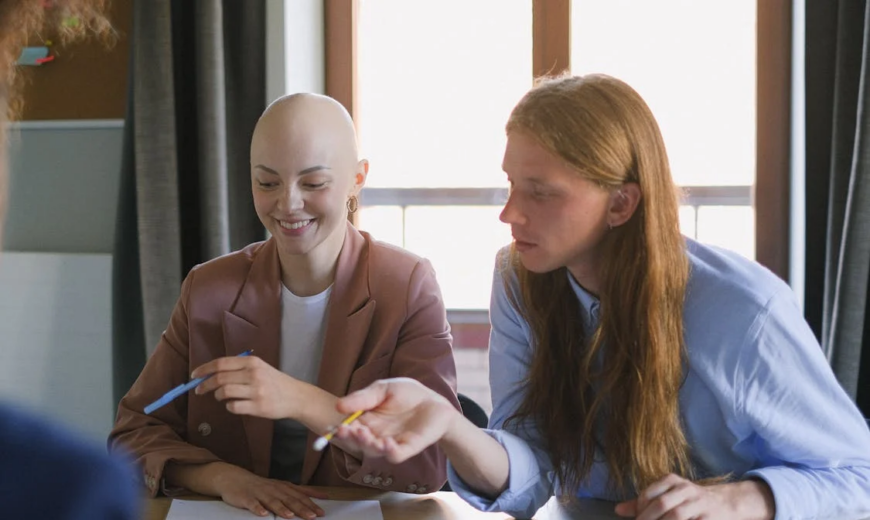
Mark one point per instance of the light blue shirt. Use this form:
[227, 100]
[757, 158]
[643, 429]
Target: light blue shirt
[759, 399]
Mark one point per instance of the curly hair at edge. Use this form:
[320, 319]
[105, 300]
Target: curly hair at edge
[21, 20]
[622, 384]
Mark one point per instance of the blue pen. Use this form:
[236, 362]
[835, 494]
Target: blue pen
[182, 389]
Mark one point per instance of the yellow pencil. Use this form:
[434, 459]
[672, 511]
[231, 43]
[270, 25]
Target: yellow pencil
[323, 440]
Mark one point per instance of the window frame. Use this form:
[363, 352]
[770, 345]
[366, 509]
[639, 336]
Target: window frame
[551, 40]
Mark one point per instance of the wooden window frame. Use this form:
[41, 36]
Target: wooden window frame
[773, 135]
[551, 37]
[551, 45]
[341, 19]
[551, 54]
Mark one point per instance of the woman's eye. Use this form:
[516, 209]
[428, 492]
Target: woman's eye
[315, 186]
[267, 184]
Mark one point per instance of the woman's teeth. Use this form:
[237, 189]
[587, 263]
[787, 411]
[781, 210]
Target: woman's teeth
[294, 225]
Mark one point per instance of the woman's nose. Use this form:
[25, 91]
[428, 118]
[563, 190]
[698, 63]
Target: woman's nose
[511, 213]
[291, 200]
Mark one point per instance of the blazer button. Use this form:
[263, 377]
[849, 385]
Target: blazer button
[422, 490]
[204, 429]
[412, 488]
[367, 479]
[388, 481]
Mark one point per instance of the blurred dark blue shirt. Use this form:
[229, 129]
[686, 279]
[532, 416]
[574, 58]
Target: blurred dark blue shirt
[47, 472]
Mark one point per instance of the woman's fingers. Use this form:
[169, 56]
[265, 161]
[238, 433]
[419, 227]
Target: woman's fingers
[656, 489]
[223, 364]
[277, 506]
[299, 503]
[222, 379]
[361, 436]
[627, 508]
[311, 492]
[234, 391]
[255, 506]
[288, 501]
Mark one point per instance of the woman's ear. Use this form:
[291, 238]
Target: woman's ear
[623, 203]
[359, 179]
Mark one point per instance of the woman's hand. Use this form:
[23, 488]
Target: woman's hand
[250, 386]
[675, 498]
[403, 417]
[241, 488]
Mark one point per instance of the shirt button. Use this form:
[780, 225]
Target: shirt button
[412, 488]
[388, 481]
[377, 481]
[204, 429]
[367, 479]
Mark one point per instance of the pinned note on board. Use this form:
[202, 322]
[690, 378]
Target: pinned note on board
[33, 56]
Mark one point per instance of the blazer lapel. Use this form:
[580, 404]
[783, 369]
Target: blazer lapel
[350, 314]
[254, 322]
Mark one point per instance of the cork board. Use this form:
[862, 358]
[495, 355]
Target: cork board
[86, 80]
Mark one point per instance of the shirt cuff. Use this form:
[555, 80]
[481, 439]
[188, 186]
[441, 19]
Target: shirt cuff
[787, 501]
[519, 498]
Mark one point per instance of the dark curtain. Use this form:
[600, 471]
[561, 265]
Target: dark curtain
[196, 89]
[838, 188]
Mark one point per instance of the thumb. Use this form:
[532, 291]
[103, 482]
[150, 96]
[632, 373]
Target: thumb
[366, 399]
[628, 508]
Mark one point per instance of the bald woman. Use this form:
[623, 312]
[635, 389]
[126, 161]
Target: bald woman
[326, 309]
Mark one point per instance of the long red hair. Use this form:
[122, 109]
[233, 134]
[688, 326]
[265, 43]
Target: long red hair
[616, 388]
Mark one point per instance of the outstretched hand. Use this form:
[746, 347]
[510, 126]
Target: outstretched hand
[403, 417]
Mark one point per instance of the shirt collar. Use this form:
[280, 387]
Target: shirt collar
[587, 300]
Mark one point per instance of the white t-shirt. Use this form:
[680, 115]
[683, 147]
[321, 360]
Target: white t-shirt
[303, 327]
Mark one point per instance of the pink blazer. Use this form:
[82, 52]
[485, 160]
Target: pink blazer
[385, 319]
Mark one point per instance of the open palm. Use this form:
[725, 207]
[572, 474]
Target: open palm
[403, 417]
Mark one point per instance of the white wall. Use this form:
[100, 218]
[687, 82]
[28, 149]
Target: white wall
[295, 47]
[56, 271]
[56, 337]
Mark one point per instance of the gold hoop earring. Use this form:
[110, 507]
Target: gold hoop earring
[352, 204]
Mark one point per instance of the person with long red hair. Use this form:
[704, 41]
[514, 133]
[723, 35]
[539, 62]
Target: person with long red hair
[627, 362]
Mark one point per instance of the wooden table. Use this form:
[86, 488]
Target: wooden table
[434, 506]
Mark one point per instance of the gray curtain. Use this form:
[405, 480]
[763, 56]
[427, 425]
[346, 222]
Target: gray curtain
[838, 187]
[196, 89]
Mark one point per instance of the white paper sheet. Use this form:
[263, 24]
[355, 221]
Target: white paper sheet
[350, 510]
[217, 510]
[214, 509]
[583, 509]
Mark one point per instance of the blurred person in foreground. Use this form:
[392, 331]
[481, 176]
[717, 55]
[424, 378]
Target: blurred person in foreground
[45, 471]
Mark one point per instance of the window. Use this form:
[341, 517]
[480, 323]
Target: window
[431, 103]
[699, 80]
[431, 84]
